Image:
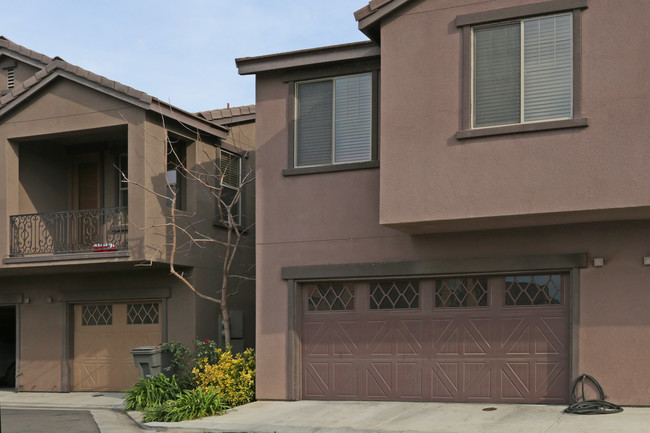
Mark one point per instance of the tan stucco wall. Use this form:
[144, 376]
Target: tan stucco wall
[44, 335]
[603, 166]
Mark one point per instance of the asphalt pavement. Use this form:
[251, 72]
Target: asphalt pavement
[47, 421]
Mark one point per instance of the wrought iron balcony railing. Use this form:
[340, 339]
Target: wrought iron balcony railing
[73, 231]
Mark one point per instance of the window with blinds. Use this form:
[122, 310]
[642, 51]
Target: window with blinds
[334, 121]
[523, 71]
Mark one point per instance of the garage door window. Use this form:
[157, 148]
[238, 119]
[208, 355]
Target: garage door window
[142, 314]
[393, 295]
[461, 292]
[330, 297]
[96, 315]
[533, 290]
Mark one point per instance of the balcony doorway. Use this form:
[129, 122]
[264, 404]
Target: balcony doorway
[86, 194]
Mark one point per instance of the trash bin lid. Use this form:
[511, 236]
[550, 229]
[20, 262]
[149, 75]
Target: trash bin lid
[145, 350]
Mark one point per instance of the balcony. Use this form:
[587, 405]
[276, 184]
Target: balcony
[69, 232]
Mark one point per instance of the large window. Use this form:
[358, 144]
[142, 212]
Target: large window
[230, 176]
[523, 71]
[333, 121]
[521, 68]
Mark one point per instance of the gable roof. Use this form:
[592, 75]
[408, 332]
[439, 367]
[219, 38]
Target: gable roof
[52, 68]
[24, 54]
[370, 15]
[230, 115]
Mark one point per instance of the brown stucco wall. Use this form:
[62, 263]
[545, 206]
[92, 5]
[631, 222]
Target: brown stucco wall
[600, 167]
[427, 175]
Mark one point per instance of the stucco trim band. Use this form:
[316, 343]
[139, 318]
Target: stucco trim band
[437, 267]
[116, 295]
[548, 7]
[522, 127]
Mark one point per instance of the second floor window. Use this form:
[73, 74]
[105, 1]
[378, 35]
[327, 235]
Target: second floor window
[175, 174]
[333, 121]
[523, 71]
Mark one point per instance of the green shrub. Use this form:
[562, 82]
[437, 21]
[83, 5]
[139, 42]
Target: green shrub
[151, 391]
[181, 362]
[189, 404]
[232, 375]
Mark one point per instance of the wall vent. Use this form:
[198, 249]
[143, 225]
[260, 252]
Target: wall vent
[10, 78]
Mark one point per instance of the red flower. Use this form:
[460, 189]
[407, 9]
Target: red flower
[207, 341]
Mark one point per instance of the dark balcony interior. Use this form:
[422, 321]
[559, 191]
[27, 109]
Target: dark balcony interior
[72, 195]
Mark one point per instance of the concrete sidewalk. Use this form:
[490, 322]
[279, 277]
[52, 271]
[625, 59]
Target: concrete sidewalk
[384, 417]
[359, 417]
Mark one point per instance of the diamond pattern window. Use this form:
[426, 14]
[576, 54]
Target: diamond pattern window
[461, 292]
[330, 297]
[143, 314]
[534, 290]
[96, 315]
[393, 295]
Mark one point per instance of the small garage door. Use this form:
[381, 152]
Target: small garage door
[478, 339]
[104, 335]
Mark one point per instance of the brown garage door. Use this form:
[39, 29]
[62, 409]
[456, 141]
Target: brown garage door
[491, 339]
[104, 335]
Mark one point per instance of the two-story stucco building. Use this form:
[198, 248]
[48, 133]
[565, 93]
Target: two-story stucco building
[87, 166]
[458, 209]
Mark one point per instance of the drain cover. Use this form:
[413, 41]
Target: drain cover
[489, 409]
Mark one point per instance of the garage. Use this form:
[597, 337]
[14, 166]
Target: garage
[490, 338]
[104, 334]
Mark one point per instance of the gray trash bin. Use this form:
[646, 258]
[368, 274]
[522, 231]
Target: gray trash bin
[151, 360]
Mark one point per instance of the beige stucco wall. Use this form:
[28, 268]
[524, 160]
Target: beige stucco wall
[46, 339]
[32, 139]
[600, 167]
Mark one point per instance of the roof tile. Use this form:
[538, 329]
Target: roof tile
[362, 13]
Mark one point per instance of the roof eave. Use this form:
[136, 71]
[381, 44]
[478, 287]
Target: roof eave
[316, 56]
[369, 20]
[161, 108]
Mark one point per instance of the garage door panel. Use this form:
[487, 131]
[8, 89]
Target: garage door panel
[445, 381]
[316, 378]
[379, 380]
[476, 381]
[104, 335]
[515, 381]
[473, 347]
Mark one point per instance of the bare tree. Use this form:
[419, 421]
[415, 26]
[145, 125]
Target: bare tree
[223, 174]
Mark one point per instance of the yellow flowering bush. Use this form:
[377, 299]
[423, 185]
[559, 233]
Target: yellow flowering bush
[233, 375]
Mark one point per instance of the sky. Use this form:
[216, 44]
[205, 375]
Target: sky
[182, 52]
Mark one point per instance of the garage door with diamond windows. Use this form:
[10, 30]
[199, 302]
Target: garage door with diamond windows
[465, 339]
[104, 335]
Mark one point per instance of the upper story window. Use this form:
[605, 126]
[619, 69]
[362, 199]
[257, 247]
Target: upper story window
[523, 71]
[521, 68]
[333, 121]
[230, 175]
[123, 183]
[175, 175]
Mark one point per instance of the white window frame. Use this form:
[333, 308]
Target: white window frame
[333, 142]
[521, 22]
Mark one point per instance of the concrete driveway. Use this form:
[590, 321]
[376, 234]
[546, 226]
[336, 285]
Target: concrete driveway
[381, 417]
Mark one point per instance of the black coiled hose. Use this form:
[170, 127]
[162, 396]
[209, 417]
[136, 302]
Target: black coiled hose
[581, 406]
